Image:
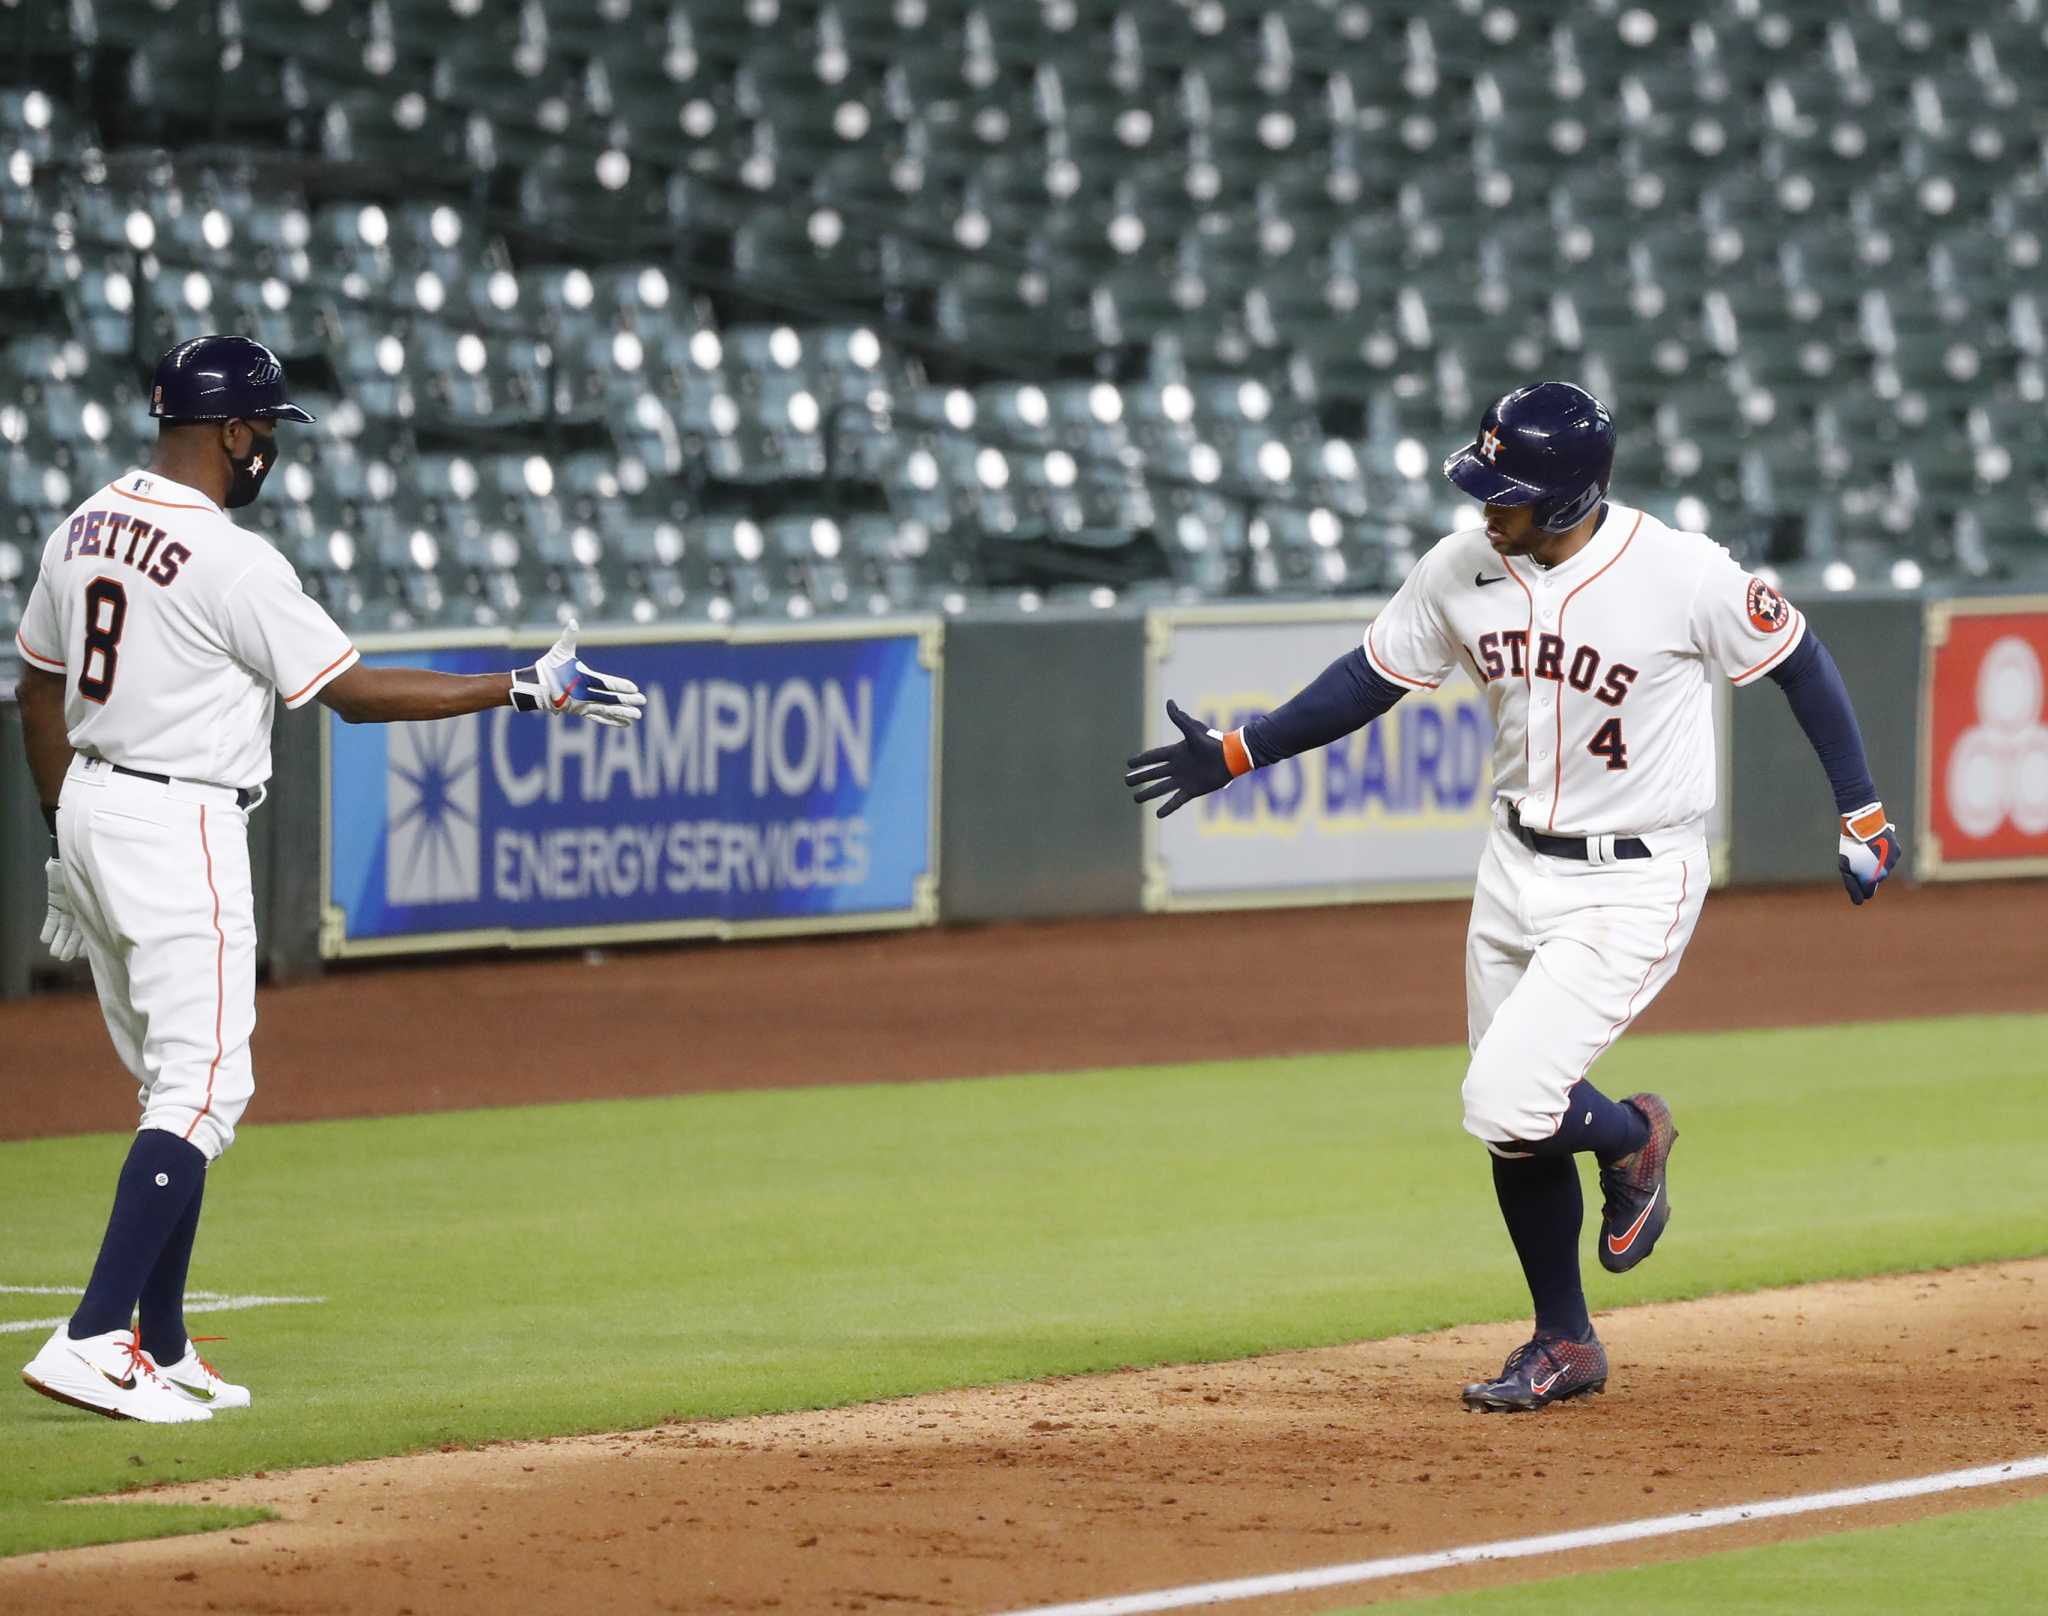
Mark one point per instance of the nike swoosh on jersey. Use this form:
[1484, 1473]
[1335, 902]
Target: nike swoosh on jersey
[1482, 580]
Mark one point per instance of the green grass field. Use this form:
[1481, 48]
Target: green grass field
[1987, 1561]
[605, 1265]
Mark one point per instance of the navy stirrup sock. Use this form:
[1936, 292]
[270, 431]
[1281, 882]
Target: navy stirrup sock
[160, 1179]
[1610, 1129]
[1540, 1201]
[160, 1310]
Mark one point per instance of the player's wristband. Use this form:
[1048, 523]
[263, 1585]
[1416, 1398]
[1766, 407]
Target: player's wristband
[1236, 754]
[529, 695]
[1864, 823]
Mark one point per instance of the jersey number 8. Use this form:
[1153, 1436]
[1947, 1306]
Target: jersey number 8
[106, 614]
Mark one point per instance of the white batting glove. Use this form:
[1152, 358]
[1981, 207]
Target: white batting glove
[558, 684]
[60, 925]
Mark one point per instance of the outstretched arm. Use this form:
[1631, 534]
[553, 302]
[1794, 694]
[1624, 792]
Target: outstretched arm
[558, 684]
[1869, 842]
[1345, 696]
[366, 695]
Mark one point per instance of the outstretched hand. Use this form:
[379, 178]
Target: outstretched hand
[560, 685]
[1189, 768]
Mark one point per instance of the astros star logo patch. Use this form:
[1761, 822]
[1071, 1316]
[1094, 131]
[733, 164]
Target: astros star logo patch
[1767, 609]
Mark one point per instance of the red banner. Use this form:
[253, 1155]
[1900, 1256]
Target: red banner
[1984, 752]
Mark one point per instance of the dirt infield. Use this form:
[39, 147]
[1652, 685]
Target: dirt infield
[990, 1500]
[1022, 998]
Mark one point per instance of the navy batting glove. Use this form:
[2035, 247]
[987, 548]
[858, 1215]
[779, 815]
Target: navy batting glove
[1868, 849]
[1202, 761]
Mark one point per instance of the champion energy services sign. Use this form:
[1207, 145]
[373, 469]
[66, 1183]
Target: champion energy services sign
[775, 783]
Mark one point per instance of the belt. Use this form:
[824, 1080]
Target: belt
[244, 795]
[1574, 847]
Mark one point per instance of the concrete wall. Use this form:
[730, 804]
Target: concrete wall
[24, 842]
[1040, 713]
[1784, 824]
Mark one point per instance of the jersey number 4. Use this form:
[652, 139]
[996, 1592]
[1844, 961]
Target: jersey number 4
[106, 614]
[1607, 743]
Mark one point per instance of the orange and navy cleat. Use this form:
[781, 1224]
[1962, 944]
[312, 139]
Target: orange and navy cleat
[1636, 1201]
[1544, 1370]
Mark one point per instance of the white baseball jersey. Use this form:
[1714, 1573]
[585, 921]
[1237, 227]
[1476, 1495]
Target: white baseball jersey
[175, 631]
[1598, 671]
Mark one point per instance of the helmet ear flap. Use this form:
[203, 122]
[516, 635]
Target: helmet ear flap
[1562, 515]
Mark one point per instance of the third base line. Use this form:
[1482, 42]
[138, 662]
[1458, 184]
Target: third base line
[1522, 1548]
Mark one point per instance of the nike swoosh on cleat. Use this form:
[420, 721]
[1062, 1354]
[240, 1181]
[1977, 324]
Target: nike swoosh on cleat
[127, 1385]
[1617, 1247]
[203, 1393]
[1482, 580]
[1539, 1387]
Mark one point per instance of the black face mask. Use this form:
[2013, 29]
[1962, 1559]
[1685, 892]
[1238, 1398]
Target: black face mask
[251, 469]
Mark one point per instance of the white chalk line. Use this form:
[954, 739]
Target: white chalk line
[195, 1302]
[1522, 1548]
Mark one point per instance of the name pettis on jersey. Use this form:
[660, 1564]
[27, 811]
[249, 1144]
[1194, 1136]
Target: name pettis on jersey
[1504, 655]
[99, 533]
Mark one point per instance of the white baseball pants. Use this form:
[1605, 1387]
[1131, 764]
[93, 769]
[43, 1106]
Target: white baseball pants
[159, 880]
[1560, 957]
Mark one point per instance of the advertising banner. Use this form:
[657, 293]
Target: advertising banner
[778, 782]
[1399, 809]
[1983, 741]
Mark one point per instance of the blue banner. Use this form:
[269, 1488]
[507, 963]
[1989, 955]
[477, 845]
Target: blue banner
[770, 781]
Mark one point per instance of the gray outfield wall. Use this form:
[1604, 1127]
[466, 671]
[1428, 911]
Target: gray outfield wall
[1039, 713]
[1782, 828]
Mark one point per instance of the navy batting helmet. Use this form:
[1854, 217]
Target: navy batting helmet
[1550, 445]
[221, 379]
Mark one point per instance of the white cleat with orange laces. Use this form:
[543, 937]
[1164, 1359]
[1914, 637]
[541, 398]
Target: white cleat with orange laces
[109, 1374]
[192, 1377]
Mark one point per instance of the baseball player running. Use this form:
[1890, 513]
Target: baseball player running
[1594, 631]
[157, 636]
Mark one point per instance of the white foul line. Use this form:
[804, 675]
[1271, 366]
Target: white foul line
[1522, 1548]
[195, 1302]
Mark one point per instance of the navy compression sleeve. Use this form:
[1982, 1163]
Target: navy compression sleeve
[1820, 701]
[1345, 696]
